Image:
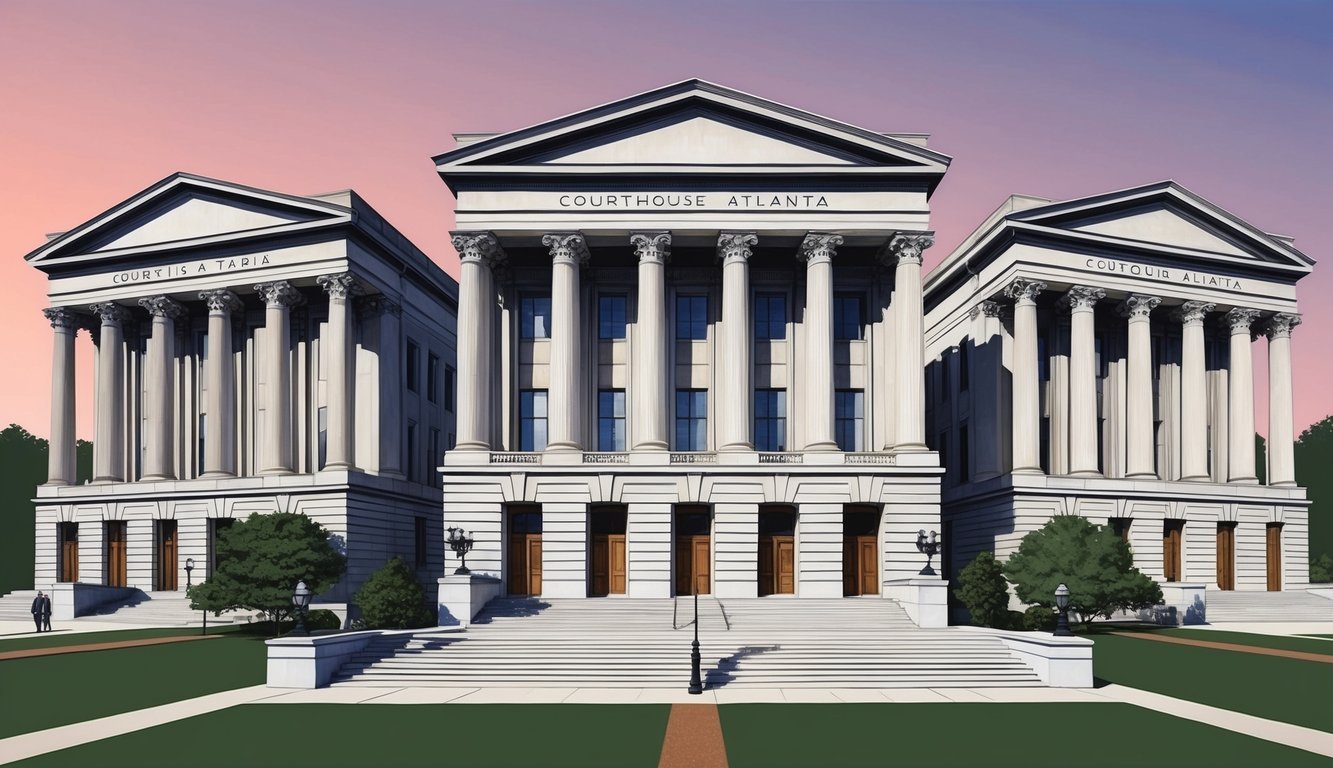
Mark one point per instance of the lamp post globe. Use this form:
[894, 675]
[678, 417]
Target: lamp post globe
[189, 568]
[1062, 606]
[300, 601]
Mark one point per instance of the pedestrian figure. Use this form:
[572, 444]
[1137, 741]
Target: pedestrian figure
[41, 611]
[46, 613]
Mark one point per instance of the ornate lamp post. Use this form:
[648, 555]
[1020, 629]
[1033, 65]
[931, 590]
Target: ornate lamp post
[696, 679]
[927, 546]
[1062, 605]
[300, 601]
[461, 543]
[189, 567]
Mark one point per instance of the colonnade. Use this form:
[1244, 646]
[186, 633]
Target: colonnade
[481, 253]
[1140, 444]
[276, 447]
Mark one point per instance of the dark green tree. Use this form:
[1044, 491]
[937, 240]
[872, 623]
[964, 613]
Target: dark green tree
[1314, 459]
[1260, 459]
[259, 561]
[1321, 569]
[392, 598]
[23, 467]
[1091, 560]
[983, 590]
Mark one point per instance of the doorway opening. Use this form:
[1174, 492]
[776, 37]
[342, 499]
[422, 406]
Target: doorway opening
[1172, 533]
[1226, 556]
[860, 550]
[69, 552]
[113, 533]
[777, 550]
[694, 549]
[164, 546]
[525, 551]
[1273, 539]
[606, 561]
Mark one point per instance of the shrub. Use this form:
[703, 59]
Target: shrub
[982, 588]
[392, 599]
[1321, 569]
[1091, 560]
[1038, 618]
[322, 618]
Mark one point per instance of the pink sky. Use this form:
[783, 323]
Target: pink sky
[99, 100]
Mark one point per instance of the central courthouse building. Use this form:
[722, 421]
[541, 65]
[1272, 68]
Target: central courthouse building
[690, 351]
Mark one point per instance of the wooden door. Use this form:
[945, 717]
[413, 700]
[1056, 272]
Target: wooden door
[619, 570]
[115, 554]
[693, 554]
[1226, 556]
[1171, 535]
[1274, 557]
[525, 564]
[768, 583]
[600, 584]
[69, 552]
[867, 565]
[850, 567]
[534, 563]
[784, 563]
[166, 556]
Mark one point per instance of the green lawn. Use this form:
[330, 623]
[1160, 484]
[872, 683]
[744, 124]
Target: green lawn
[47, 691]
[1021, 735]
[56, 639]
[1280, 642]
[334, 735]
[1290, 690]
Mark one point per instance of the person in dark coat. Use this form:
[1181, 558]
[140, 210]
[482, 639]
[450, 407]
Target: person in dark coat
[41, 610]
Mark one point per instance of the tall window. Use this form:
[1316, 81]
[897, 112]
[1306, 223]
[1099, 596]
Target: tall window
[770, 419]
[419, 541]
[435, 454]
[849, 419]
[411, 458]
[691, 419]
[1043, 362]
[433, 378]
[323, 426]
[964, 367]
[611, 316]
[534, 314]
[770, 316]
[449, 388]
[1158, 356]
[611, 420]
[203, 424]
[964, 455]
[413, 371]
[532, 420]
[691, 317]
[848, 311]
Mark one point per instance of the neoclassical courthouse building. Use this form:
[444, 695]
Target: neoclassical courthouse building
[695, 351]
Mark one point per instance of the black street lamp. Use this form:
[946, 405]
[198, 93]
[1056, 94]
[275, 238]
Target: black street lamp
[1062, 605]
[189, 568]
[696, 679]
[300, 601]
[928, 547]
[461, 543]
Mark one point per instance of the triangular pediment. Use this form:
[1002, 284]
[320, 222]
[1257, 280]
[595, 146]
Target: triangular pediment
[182, 210]
[691, 125]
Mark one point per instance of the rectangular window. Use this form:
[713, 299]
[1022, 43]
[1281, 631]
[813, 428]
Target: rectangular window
[323, 426]
[435, 457]
[535, 317]
[203, 425]
[449, 384]
[770, 316]
[770, 419]
[532, 420]
[611, 317]
[411, 455]
[611, 420]
[691, 419]
[419, 541]
[964, 367]
[964, 455]
[1043, 362]
[413, 365]
[849, 419]
[691, 317]
[848, 311]
[433, 378]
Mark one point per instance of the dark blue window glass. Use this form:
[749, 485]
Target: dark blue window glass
[691, 420]
[848, 317]
[849, 419]
[691, 317]
[770, 316]
[611, 420]
[770, 419]
[535, 317]
[611, 317]
[532, 420]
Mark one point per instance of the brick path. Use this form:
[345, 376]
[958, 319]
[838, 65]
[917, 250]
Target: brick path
[693, 738]
[59, 649]
[1301, 655]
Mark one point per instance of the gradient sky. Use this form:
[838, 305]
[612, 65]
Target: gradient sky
[99, 99]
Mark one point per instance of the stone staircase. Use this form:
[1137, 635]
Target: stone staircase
[760, 643]
[155, 609]
[17, 605]
[1289, 606]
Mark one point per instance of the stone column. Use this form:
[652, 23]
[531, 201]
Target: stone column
[478, 254]
[569, 253]
[910, 367]
[159, 382]
[380, 411]
[276, 456]
[734, 383]
[1240, 443]
[220, 420]
[1281, 430]
[109, 433]
[650, 378]
[1026, 384]
[987, 391]
[817, 251]
[61, 464]
[338, 351]
[1083, 379]
[1193, 392]
[1141, 447]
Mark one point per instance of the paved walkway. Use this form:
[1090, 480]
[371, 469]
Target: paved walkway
[693, 738]
[57, 650]
[1322, 658]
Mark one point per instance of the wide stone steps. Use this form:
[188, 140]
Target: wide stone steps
[1290, 606]
[632, 643]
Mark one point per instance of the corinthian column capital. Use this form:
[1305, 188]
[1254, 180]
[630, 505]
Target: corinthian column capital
[1137, 305]
[1082, 297]
[339, 286]
[907, 247]
[1192, 312]
[481, 247]
[818, 247]
[568, 247]
[162, 306]
[221, 301]
[651, 246]
[1240, 319]
[110, 313]
[62, 317]
[1279, 326]
[736, 246]
[279, 293]
[987, 308]
[1023, 289]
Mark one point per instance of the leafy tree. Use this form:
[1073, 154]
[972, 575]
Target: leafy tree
[23, 459]
[1321, 569]
[392, 598]
[259, 561]
[982, 588]
[1314, 456]
[1090, 559]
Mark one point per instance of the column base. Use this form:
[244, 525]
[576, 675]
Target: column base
[1196, 479]
[911, 447]
[276, 471]
[1085, 473]
[337, 466]
[216, 474]
[1283, 484]
[1243, 480]
[564, 446]
[651, 445]
[108, 479]
[736, 448]
[825, 445]
[472, 446]
[1142, 475]
[57, 482]
[154, 478]
[1026, 471]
